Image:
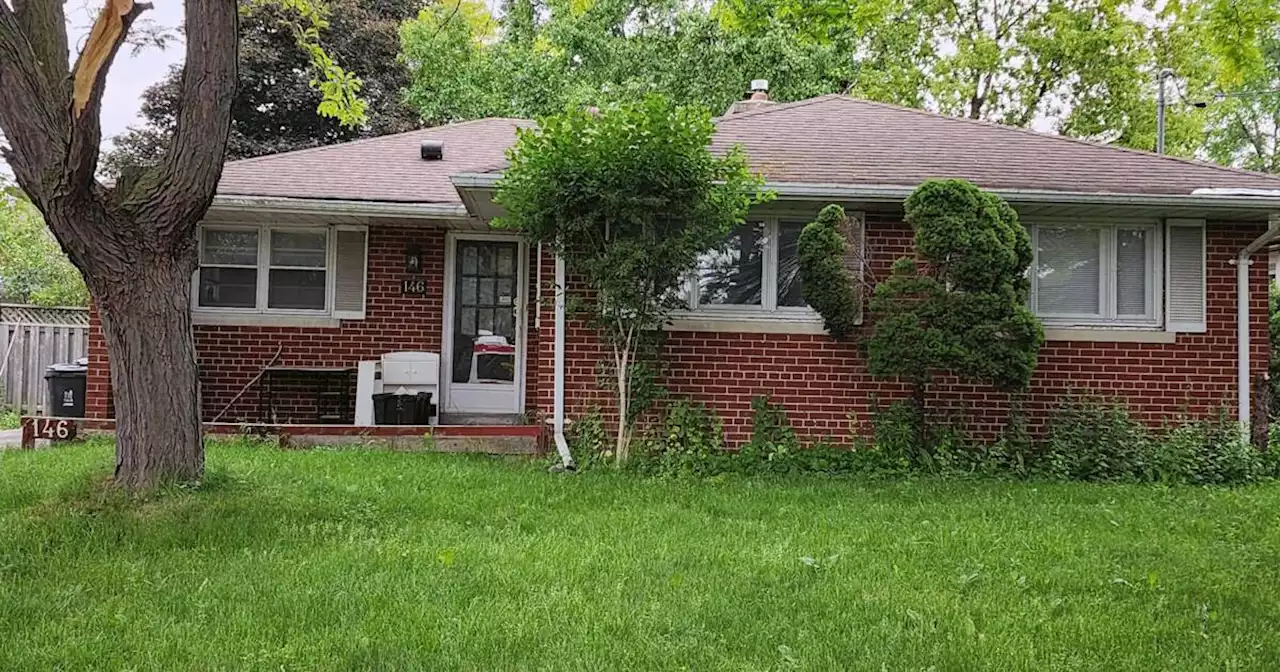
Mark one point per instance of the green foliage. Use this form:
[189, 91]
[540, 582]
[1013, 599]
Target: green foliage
[588, 439]
[1273, 327]
[277, 107]
[9, 419]
[963, 309]
[571, 53]
[1087, 439]
[1092, 440]
[1207, 453]
[339, 89]
[630, 196]
[1227, 53]
[351, 558]
[33, 268]
[690, 443]
[828, 289]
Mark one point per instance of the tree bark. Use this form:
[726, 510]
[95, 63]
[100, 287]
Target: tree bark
[147, 327]
[135, 242]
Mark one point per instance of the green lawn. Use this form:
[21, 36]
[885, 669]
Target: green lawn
[372, 560]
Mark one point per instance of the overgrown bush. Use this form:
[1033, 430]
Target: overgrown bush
[1087, 439]
[690, 443]
[588, 440]
[9, 419]
[1274, 364]
[1206, 453]
[1093, 440]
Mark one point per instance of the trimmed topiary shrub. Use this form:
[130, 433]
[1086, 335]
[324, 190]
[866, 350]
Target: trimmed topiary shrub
[828, 288]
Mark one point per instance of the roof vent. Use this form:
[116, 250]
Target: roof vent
[758, 98]
[432, 150]
[759, 89]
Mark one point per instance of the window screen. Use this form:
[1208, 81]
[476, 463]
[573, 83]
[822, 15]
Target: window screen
[228, 268]
[1068, 271]
[1132, 272]
[733, 275]
[297, 274]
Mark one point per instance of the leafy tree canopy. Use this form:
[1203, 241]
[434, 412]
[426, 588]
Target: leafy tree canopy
[631, 197]
[33, 268]
[567, 53]
[1085, 68]
[279, 105]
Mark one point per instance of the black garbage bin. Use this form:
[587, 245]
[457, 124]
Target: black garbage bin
[423, 409]
[402, 409]
[393, 409]
[67, 389]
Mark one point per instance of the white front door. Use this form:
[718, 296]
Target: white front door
[484, 324]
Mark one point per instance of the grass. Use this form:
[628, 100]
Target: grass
[9, 419]
[379, 560]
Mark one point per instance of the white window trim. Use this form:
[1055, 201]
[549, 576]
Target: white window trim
[291, 316]
[1106, 320]
[768, 316]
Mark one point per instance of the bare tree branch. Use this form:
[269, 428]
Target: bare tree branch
[45, 25]
[90, 79]
[28, 106]
[181, 189]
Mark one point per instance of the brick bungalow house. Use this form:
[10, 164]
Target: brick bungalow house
[338, 254]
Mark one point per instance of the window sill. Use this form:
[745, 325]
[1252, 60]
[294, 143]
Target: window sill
[264, 320]
[1100, 335]
[744, 324]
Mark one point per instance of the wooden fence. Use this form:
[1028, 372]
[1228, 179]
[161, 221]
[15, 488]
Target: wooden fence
[26, 349]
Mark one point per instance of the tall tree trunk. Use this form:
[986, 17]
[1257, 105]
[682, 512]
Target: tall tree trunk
[621, 445]
[134, 241]
[147, 326]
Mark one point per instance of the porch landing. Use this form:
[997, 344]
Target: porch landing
[488, 439]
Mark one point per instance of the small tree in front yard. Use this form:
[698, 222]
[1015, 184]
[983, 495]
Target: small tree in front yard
[630, 196]
[960, 306]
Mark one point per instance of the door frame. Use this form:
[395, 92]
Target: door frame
[450, 290]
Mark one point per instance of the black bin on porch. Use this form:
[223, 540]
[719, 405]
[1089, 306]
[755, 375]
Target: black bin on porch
[403, 409]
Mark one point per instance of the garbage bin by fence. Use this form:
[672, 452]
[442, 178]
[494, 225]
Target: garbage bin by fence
[67, 389]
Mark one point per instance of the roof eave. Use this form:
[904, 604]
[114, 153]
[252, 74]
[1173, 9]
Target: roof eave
[898, 193]
[340, 207]
[891, 193]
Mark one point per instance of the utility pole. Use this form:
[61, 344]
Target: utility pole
[1164, 75]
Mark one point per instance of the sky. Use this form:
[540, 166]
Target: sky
[132, 73]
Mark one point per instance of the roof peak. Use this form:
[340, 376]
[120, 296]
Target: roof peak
[842, 98]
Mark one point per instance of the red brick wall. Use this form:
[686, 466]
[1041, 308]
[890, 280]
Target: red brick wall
[823, 384]
[827, 392]
[98, 402]
[230, 356]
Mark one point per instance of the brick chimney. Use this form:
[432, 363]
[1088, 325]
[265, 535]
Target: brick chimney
[757, 98]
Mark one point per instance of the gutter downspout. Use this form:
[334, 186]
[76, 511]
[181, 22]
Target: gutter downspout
[537, 293]
[1242, 262]
[562, 446]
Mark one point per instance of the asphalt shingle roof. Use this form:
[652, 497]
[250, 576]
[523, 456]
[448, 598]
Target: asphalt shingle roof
[839, 140]
[826, 140]
[386, 168]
